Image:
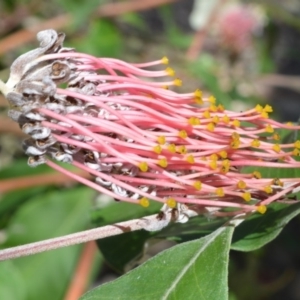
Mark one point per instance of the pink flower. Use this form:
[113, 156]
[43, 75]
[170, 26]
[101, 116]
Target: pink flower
[236, 26]
[141, 140]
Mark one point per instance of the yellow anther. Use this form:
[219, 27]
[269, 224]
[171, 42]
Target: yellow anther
[226, 163]
[213, 165]
[221, 108]
[215, 119]
[163, 162]
[190, 159]
[212, 99]
[226, 119]
[206, 114]
[246, 196]
[197, 185]
[220, 192]
[289, 124]
[277, 181]
[241, 184]
[210, 126]
[170, 71]
[157, 149]
[198, 101]
[276, 136]
[171, 202]
[213, 108]
[182, 134]
[144, 202]
[198, 93]
[235, 144]
[276, 148]
[256, 174]
[255, 143]
[236, 123]
[224, 169]
[264, 115]
[259, 108]
[261, 209]
[214, 156]
[269, 129]
[297, 144]
[268, 189]
[177, 82]
[181, 149]
[296, 152]
[165, 60]
[194, 121]
[235, 136]
[165, 87]
[268, 108]
[161, 140]
[143, 166]
[223, 154]
[172, 148]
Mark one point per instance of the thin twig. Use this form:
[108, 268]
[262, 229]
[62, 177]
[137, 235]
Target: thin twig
[15, 183]
[199, 37]
[280, 80]
[7, 125]
[116, 9]
[3, 102]
[107, 10]
[9, 21]
[23, 36]
[79, 281]
[75, 238]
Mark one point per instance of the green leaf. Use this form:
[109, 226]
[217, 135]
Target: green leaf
[259, 230]
[122, 211]
[48, 215]
[103, 39]
[21, 168]
[11, 202]
[195, 228]
[121, 249]
[12, 285]
[206, 69]
[192, 270]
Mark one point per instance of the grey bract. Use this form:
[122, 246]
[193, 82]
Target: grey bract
[33, 85]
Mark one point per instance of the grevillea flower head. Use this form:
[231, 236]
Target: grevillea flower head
[139, 139]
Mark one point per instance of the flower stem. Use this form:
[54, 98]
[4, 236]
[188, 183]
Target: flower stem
[75, 238]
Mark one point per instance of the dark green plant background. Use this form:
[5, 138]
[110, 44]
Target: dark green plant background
[264, 260]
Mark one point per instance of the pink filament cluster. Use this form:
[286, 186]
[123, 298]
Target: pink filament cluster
[142, 141]
[173, 150]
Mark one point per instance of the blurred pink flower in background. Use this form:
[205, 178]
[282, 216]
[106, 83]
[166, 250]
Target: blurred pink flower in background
[236, 25]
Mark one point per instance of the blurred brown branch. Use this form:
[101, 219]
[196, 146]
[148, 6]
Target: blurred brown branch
[106, 10]
[9, 126]
[37, 180]
[11, 21]
[79, 281]
[279, 80]
[199, 37]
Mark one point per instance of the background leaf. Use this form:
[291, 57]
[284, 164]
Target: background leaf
[192, 270]
[119, 250]
[259, 230]
[12, 284]
[55, 214]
